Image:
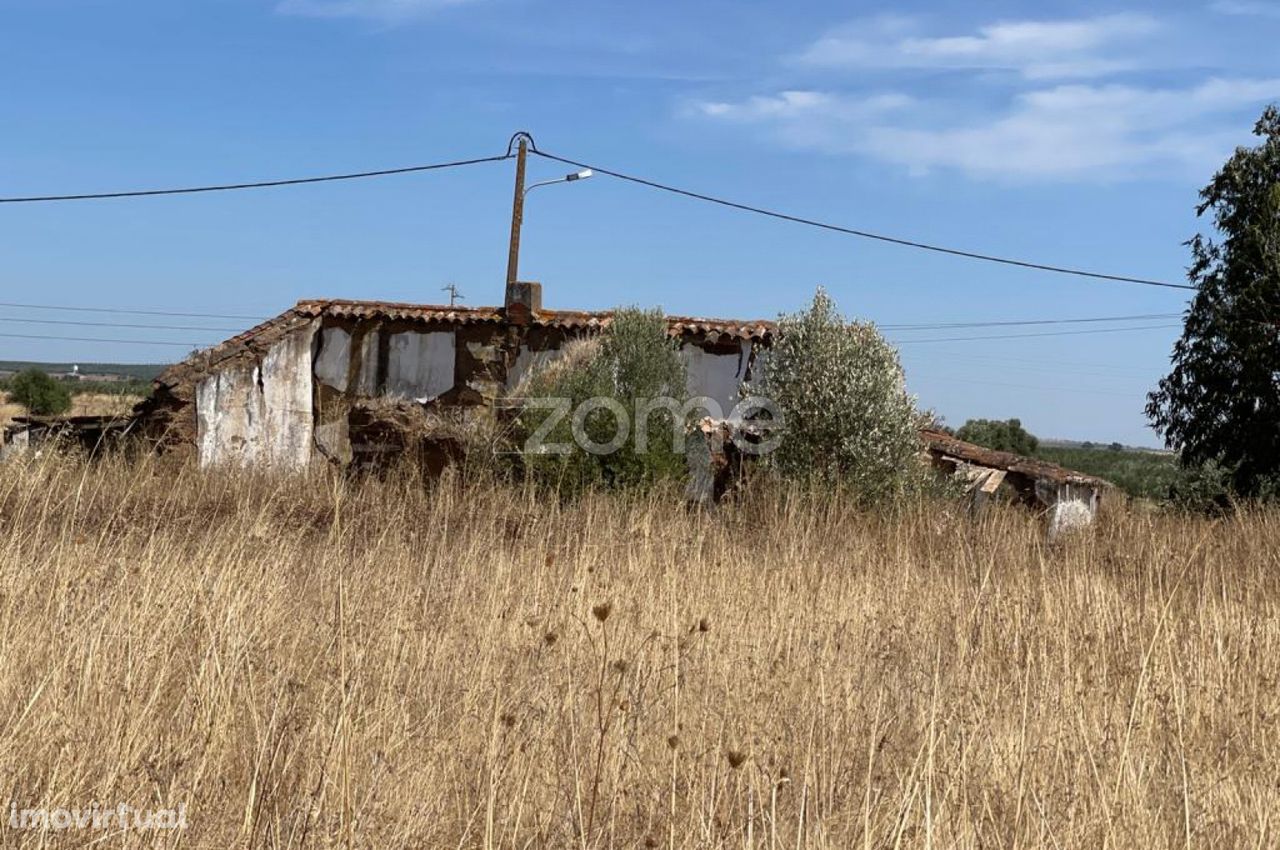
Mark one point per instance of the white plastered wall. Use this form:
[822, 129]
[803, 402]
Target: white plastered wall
[260, 413]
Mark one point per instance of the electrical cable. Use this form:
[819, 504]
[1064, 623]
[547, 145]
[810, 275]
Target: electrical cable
[263, 184]
[937, 326]
[99, 339]
[864, 234]
[1029, 336]
[124, 312]
[12, 320]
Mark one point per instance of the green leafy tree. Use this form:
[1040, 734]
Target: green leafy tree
[634, 359]
[1006, 435]
[1220, 403]
[39, 393]
[847, 416]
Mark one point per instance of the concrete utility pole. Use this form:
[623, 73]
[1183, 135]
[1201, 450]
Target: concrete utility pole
[526, 296]
[517, 218]
[454, 294]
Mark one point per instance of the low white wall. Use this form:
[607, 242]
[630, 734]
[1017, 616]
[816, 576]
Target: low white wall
[260, 413]
[1074, 507]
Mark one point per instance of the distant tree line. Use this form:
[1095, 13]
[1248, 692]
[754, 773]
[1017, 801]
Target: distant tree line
[75, 387]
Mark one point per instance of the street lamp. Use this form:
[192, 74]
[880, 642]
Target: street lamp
[517, 212]
[568, 178]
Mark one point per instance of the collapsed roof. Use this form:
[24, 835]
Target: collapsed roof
[942, 444]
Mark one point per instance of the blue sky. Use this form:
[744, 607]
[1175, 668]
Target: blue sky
[1073, 134]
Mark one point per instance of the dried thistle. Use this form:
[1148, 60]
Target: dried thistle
[735, 757]
[602, 611]
[550, 638]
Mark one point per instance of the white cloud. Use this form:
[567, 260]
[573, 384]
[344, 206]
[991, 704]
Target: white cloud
[1079, 131]
[383, 10]
[805, 119]
[1246, 7]
[793, 104]
[1035, 49]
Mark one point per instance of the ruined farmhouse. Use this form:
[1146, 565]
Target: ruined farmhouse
[316, 382]
[305, 384]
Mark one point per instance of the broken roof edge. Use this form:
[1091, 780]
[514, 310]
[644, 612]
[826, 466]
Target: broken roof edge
[951, 446]
[344, 308]
[245, 342]
[250, 340]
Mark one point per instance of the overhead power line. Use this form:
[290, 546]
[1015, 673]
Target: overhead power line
[193, 315]
[262, 184]
[194, 345]
[937, 326]
[1056, 367]
[1029, 336]
[967, 380]
[864, 234]
[124, 312]
[9, 320]
[100, 339]
[849, 231]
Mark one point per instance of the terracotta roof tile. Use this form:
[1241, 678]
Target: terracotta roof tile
[575, 319]
[308, 309]
[945, 444]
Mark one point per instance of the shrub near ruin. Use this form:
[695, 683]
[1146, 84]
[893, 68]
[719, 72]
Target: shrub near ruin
[633, 360]
[848, 417]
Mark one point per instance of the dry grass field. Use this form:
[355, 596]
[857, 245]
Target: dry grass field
[322, 663]
[84, 404]
[102, 404]
[8, 409]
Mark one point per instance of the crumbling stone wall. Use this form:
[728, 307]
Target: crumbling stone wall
[290, 389]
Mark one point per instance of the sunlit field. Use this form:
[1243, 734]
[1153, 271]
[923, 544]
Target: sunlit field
[316, 662]
[82, 404]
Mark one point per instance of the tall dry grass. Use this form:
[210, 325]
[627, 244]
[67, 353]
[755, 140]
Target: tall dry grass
[321, 663]
[8, 410]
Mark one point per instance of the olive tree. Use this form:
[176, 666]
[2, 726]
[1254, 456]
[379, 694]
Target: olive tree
[848, 417]
[39, 393]
[599, 383]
